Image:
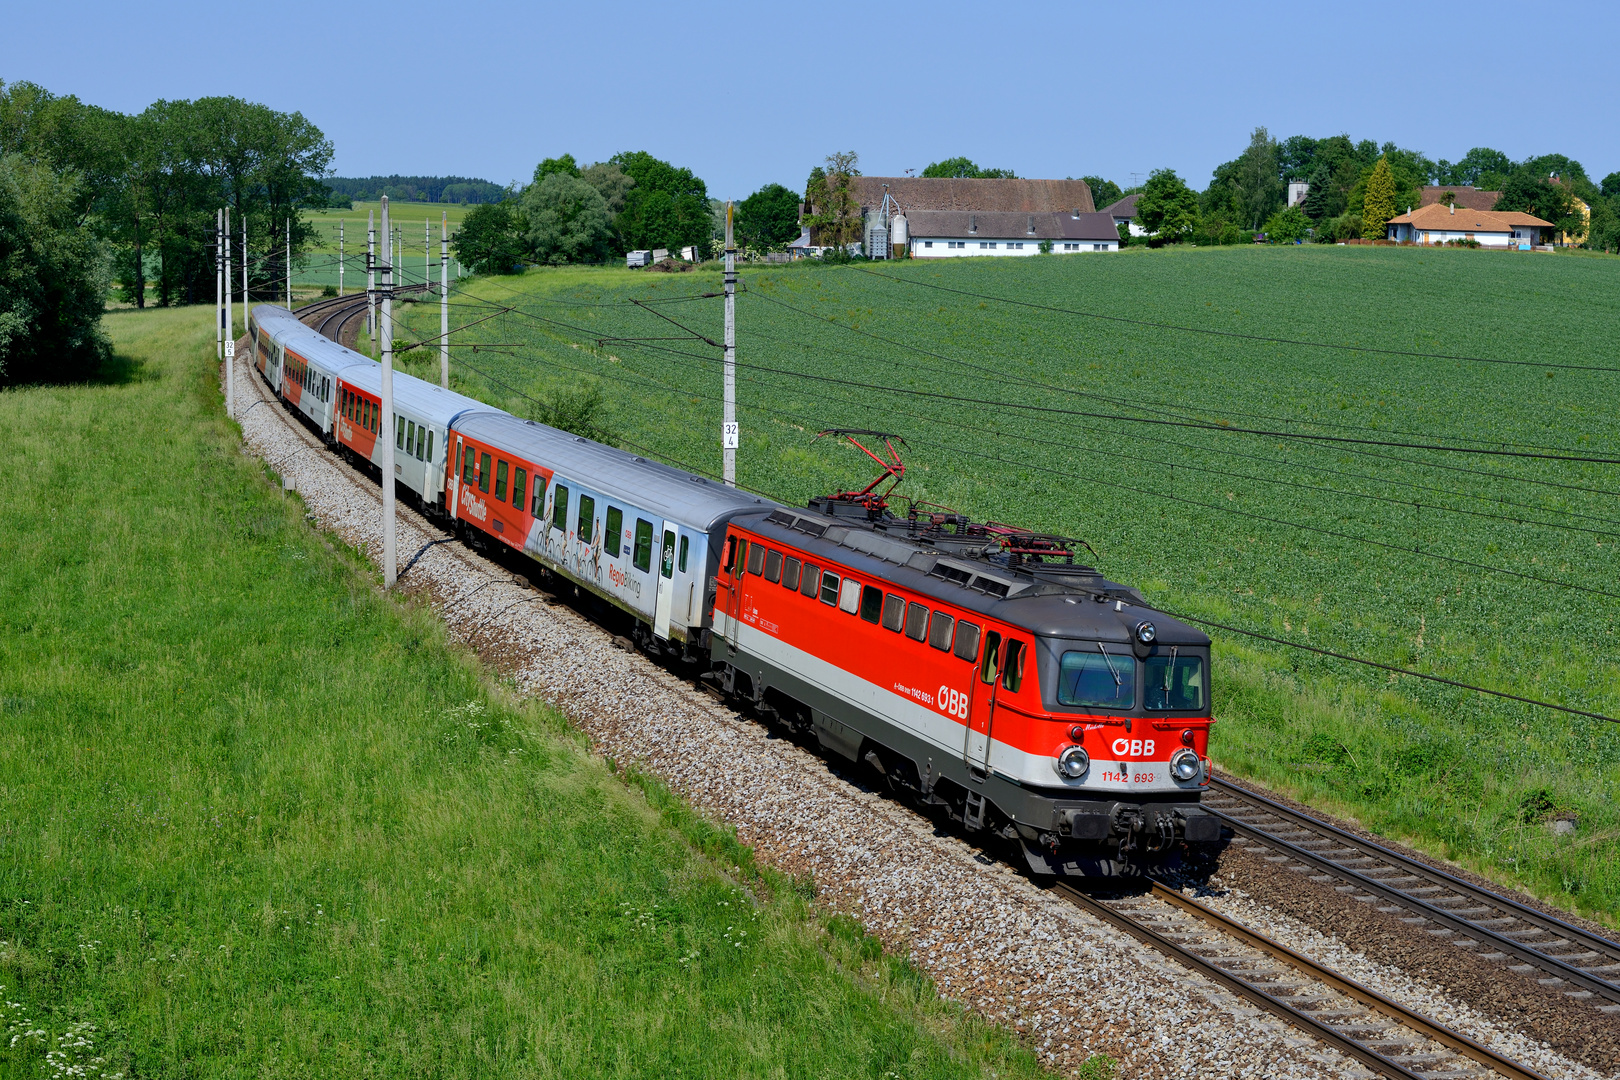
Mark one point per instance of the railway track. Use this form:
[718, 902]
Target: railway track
[1583, 965]
[1387, 1037]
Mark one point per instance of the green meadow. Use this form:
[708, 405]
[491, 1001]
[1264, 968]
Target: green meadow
[261, 820]
[1268, 485]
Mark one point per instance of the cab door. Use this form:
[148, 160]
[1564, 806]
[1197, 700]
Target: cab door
[453, 479]
[982, 707]
[666, 585]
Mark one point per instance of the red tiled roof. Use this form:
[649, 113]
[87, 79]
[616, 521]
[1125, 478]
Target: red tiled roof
[1466, 196]
[1439, 218]
[990, 196]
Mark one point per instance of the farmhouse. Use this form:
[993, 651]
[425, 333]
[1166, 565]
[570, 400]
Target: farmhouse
[1124, 213]
[1439, 224]
[944, 234]
[1463, 196]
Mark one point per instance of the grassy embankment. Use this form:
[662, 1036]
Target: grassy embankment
[1238, 528]
[260, 820]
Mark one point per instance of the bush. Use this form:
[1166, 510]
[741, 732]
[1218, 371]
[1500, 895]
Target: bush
[1287, 225]
[53, 279]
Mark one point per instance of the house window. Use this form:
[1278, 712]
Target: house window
[928, 243]
[956, 243]
[987, 245]
[1020, 246]
[1099, 247]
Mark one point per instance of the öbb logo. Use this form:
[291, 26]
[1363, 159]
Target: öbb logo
[952, 702]
[1133, 747]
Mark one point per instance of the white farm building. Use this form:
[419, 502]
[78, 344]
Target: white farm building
[946, 234]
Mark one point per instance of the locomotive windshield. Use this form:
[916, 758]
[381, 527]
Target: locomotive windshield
[1173, 682]
[1093, 676]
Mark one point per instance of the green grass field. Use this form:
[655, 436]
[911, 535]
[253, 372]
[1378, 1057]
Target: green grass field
[260, 820]
[319, 267]
[1359, 548]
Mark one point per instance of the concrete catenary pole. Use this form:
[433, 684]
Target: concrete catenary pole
[728, 426]
[244, 275]
[444, 299]
[427, 264]
[219, 286]
[230, 330]
[371, 277]
[390, 571]
[289, 264]
[340, 256]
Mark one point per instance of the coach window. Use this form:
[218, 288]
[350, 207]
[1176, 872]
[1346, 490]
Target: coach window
[483, 473]
[399, 432]
[500, 481]
[421, 437]
[585, 519]
[520, 485]
[811, 581]
[773, 566]
[666, 557]
[429, 445]
[990, 666]
[643, 554]
[615, 529]
[941, 631]
[790, 573]
[916, 622]
[871, 603]
[466, 465]
[1012, 672]
[559, 509]
[829, 588]
[849, 597]
[967, 641]
[686, 542]
[756, 559]
[538, 506]
[894, 612]
[410, 437]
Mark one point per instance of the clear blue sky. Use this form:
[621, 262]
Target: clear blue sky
[744, 94]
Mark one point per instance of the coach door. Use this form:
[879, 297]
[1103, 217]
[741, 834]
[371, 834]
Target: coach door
[454, 480]
[982, 709]
[666, 584]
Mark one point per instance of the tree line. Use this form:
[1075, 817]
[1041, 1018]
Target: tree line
[91, 197]
[573, 213]
[434, 189]
[1355, 188]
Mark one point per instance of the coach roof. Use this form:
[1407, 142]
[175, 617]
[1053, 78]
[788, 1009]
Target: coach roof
[649, 485]
[435, 403]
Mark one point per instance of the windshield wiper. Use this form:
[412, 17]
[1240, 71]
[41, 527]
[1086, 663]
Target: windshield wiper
[1109, 661]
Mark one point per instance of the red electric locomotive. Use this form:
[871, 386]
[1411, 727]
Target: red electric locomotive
[981, 668]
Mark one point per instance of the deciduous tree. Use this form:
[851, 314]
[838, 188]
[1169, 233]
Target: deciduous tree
[568, 220]
[835, 213]
[961, 168]
[1103, 192]
[768, 218]
[1168, 208]
[490, 240]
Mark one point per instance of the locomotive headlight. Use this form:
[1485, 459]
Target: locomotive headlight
[1184, 765]
[1146, 632]
[1072, 762]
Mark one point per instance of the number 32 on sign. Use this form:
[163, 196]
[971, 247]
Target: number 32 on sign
[728, 436]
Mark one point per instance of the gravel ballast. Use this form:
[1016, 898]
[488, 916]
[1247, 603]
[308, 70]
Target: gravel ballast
[991, 939]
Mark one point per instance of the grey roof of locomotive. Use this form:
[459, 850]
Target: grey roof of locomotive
[672, 493]
[1061, 600]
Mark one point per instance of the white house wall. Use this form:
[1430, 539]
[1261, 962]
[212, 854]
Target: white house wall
[939, 247]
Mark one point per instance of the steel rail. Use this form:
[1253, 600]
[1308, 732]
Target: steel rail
[1278, 1008]
[1456, 1041]
[1409, 867]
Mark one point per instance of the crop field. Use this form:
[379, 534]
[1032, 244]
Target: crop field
[319, 267]
[261, 820]
[1410, 506]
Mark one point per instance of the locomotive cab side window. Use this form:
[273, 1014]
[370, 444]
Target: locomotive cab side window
[773, 566]
[559, 510]
[829, 588]
[967, 641]
[810, 583]
[894, 612]
[643, 553]
[613, 530]
[1012, 671]
[849, 597]
[990, 666]
[916, 621]
[756, 559]
[941, 631]
[871, 603]
[790, 572]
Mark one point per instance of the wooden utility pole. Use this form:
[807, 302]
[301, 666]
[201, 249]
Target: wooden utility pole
[390, 570]
[728, 426]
